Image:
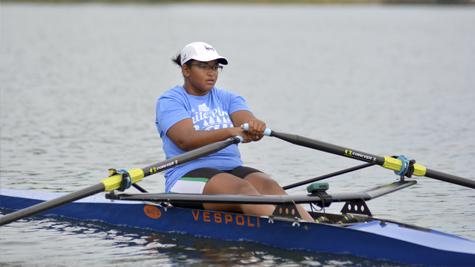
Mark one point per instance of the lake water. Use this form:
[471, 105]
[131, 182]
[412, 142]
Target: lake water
[79, 84]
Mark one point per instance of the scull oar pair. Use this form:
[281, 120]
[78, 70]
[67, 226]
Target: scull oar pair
[136, 175]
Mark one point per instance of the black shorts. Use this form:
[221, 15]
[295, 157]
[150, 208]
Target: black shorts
[195, 180]
[241, 172]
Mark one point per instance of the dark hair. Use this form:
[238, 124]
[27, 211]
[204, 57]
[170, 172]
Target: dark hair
[177, 60]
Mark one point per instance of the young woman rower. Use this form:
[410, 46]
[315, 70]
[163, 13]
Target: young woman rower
[196, 114]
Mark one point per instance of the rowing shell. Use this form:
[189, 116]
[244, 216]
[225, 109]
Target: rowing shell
[365, 237]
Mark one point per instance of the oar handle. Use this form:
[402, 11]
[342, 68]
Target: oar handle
[267, 131]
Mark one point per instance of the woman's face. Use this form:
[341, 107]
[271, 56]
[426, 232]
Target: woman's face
[200, 77]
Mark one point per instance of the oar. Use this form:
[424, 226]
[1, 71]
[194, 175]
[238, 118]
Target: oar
[113, 182]
[387, 162]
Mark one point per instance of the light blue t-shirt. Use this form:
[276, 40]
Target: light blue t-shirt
[209, 112]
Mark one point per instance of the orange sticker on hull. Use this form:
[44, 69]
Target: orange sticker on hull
[152, 211]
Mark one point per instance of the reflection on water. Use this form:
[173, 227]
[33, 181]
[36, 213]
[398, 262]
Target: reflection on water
[96, 244]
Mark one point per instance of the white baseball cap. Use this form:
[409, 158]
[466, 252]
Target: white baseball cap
[200, 51]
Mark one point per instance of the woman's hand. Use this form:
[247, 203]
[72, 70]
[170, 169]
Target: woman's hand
[256, 126]
[238, 131]
[256, 129]
[255, 132]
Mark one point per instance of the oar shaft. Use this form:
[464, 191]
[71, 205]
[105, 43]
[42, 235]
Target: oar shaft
[386, 162]
[330, 148]
[190, 155]
[113, 182]
[450, 178]
[35, 209]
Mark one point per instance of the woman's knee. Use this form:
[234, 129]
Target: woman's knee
[264, 183]
[229, 184]
[246, 188]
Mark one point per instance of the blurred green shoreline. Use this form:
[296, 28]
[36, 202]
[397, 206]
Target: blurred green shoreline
[442, 2]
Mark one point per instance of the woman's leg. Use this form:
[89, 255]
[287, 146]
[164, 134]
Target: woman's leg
[224, 183]
[265, 185]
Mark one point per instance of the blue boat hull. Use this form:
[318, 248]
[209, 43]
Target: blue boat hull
[375, 239]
